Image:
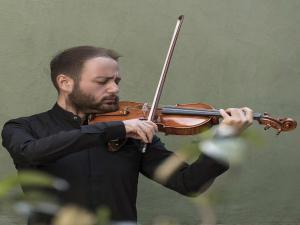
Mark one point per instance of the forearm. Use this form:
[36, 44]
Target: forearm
[197, 177]
[168, 169]
[26, 148]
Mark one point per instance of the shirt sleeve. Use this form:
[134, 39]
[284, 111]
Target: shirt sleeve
[186, 179]
[25, 148]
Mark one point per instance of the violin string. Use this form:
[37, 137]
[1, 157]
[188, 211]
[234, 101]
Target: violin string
[206, 112]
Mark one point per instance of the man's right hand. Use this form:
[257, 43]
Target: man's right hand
[140, 129]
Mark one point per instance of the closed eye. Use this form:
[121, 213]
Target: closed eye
[104, 81]
[101, 82]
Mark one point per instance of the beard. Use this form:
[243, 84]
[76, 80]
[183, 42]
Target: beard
[89, 104]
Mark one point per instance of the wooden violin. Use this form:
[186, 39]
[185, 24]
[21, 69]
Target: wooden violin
[185, 119]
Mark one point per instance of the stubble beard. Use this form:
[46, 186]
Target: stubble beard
[87, 103]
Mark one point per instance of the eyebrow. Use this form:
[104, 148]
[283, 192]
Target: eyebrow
[108, 77]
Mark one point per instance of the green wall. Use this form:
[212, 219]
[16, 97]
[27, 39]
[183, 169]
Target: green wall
[230, 53]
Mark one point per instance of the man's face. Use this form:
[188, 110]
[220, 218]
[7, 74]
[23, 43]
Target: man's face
[97, 89]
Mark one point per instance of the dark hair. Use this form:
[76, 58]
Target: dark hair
[70, 61]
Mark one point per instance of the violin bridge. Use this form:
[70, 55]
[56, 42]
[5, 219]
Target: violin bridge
[145, 109]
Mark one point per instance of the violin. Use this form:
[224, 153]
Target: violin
[185, 119]
[181, 119]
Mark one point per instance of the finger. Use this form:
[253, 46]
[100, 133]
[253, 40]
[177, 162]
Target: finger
[141, 129]
[249, 114]
[238, 114]
[224, 114]
[147, 131]
[142, 134]
[152, 126]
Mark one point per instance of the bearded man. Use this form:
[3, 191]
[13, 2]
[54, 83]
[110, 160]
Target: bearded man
[62, 143]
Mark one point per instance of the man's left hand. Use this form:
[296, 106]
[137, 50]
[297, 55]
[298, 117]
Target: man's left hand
[236, 118]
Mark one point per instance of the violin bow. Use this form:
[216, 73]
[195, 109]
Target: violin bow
[164, 73]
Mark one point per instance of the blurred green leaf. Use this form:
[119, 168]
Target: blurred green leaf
[30, 178]
[103, 216]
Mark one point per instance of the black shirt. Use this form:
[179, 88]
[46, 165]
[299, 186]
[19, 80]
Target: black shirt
[57, 143]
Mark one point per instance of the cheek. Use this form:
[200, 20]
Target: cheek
[99, 94]
[97, 91]
[93, 89]
[90, 88]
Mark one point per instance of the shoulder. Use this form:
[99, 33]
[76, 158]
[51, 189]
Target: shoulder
[26, 121]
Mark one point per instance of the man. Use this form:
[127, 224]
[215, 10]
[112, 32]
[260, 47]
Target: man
[60, 141]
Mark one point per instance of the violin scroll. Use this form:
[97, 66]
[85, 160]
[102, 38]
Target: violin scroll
[279, 124]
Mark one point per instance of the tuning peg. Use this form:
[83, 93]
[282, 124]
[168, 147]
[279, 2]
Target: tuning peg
[278, 131]
[267, 127]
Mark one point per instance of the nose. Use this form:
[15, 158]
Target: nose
[113, 87]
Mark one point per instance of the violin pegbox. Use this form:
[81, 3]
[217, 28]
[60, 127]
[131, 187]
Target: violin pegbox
[279, 124]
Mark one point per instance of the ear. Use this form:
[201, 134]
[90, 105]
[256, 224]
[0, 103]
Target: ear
[65, 83]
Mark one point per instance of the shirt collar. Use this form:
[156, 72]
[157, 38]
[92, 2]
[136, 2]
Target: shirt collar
[63, 114]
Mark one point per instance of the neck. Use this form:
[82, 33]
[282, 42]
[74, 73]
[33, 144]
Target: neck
[199, 112]
[64, 103]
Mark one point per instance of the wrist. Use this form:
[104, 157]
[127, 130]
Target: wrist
[226, 131]
[128, 127]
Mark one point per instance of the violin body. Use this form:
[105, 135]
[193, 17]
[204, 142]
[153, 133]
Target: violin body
[175, 124]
